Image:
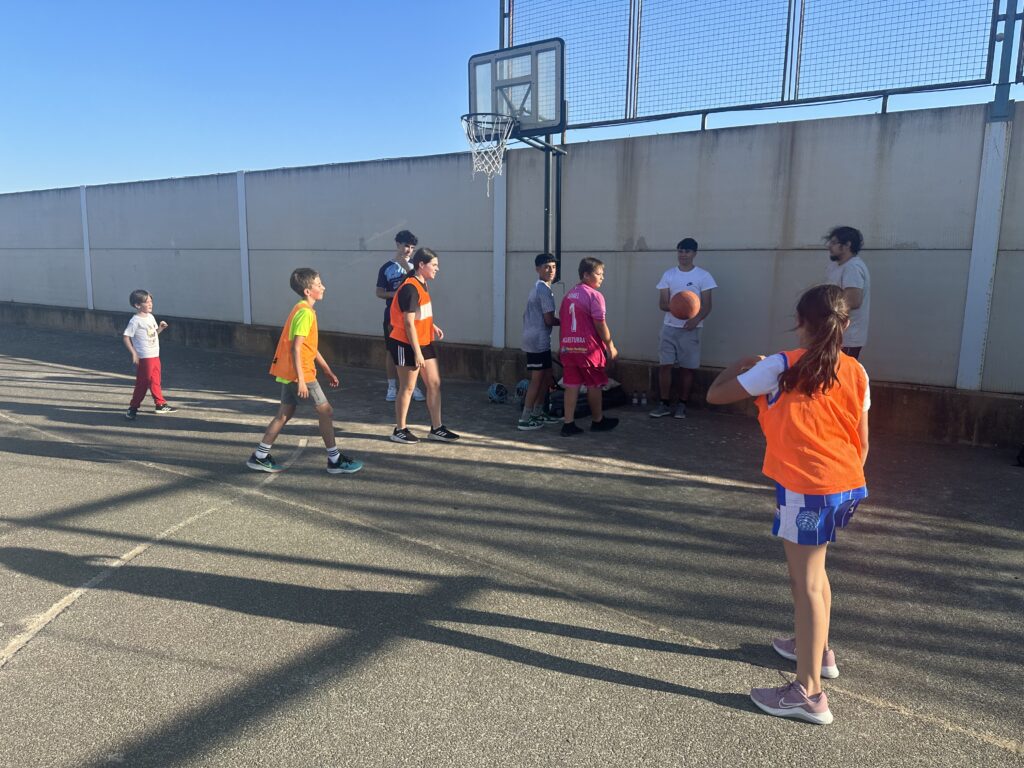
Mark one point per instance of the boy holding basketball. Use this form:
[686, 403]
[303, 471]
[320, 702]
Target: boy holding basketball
[294, 367]
[587, 348]
[679, 340]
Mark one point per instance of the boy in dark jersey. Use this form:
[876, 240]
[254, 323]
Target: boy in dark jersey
[389, 277]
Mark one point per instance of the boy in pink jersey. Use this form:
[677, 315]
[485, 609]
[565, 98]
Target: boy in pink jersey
[586, 349]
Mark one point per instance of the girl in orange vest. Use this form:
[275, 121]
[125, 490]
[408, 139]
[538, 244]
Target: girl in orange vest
[411, 346]
[812, 404]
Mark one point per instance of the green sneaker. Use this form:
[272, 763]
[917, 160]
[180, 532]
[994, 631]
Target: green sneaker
[344, 465]
[266, 464]
[546, 418]
[526, 425]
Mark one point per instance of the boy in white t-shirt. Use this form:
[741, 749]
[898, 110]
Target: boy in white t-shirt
[142, 338]
[679, 340]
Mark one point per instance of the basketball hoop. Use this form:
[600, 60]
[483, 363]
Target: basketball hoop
[488, 133]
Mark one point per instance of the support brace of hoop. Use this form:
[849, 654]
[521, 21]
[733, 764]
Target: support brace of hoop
[536, 143]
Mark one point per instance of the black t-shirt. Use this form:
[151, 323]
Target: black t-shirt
[408, 297]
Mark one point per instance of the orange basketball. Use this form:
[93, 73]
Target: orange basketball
[684, 305]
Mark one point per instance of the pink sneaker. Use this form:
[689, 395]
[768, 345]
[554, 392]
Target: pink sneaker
[792, 701]
[786, 648]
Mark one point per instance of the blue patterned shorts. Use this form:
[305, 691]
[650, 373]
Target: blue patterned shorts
[813, 519]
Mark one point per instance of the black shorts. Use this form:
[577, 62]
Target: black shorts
[538, 361]
[403, 354]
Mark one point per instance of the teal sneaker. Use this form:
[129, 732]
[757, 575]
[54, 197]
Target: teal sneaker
[526, 425]
[546, 418]
[266, 464]
[344, 465]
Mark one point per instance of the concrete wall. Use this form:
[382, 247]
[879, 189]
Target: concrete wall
[757, 198]
[41, 259]
[1004, 369]
[342, 220]
[177, 239]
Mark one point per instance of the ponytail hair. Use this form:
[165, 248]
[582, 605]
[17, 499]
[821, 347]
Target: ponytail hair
[422, 256]
[823, 314]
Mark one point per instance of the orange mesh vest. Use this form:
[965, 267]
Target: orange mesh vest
[423, 319]
[813, 445]
[284, 362]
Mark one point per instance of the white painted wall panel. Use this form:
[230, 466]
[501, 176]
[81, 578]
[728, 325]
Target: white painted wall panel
[194, 213]
[43, 276]
[49, 219]
[360, 206]
[1004, 354]
[1012, 231]
[198, 283]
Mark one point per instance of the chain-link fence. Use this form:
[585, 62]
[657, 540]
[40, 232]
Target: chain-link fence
[862, 46]
[632, 60]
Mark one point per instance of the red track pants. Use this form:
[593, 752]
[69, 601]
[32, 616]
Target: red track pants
[147, 377]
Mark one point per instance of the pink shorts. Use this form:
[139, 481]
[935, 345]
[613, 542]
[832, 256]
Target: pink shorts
[588, 376]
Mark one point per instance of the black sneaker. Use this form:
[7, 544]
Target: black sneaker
[165, 408]
[131, 413]
[445, 434]
[403, 436]
[607, 424]
[569, 429]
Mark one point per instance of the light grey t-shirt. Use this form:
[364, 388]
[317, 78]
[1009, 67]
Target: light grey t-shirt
[536, 334]
[853, 274]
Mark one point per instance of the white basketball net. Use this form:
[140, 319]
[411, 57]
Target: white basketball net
[487, 135]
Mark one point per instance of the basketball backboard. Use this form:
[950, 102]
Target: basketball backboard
[526, 82]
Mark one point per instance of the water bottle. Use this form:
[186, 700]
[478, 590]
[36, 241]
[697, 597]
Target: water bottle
[636, 398]
[643, 399]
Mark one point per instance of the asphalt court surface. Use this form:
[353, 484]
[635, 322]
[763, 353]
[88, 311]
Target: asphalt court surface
[515, 599]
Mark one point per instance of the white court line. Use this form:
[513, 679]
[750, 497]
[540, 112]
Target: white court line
[41, 621]
[1009, 745]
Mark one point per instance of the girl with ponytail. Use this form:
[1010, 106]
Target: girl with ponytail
[812, 404]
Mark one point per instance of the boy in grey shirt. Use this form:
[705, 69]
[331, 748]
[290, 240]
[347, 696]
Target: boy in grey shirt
[538, 320]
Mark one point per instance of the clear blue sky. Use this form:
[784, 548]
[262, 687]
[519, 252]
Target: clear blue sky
[110, 90]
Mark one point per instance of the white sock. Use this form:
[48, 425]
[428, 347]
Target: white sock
[262, 450]
[333, 453]
[392, 383]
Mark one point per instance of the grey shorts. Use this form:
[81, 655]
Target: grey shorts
[679, 347]
[290, 394]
